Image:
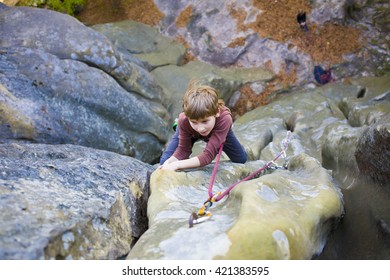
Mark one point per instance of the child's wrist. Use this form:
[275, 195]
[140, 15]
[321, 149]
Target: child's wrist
[177, 164]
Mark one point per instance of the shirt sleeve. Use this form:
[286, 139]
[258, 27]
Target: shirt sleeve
[184, 148]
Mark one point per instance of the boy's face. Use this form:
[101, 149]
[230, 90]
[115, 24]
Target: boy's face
[203, 126]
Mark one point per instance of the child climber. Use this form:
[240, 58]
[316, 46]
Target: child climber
[206, 118]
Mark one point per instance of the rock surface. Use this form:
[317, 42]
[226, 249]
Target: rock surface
[91, 204]
[283, 215]
[70, 202]
[373, 151]
[62, 82]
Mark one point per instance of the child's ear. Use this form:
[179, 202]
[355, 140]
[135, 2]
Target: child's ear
[217, 115]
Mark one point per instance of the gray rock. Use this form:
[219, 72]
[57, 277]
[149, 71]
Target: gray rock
[373, 151]
[144, 42]
[212, 31]
[79, 198]
[67, 38]
[371, 103]
[63, 82]
[48, 100]
[338, 151]
[328, 11]
[70, 202]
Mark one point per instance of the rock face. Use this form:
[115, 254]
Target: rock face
[227, 81]
[144, 42]
[70, 202]
[166, 59]
[249, 223]
[283, 215]
[373, 151]
[215, 35]
[62, 82]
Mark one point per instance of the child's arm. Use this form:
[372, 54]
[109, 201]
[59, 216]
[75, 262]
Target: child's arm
[174, 164]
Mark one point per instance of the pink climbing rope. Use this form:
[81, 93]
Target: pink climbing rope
[250, 176]
[214, 173]
[203, 213]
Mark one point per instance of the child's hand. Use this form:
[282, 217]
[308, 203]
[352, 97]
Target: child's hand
[169, 166]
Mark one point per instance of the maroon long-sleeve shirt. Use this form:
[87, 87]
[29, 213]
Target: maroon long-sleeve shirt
[215, 139]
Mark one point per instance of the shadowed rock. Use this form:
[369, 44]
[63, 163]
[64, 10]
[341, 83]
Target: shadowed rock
[373, 151]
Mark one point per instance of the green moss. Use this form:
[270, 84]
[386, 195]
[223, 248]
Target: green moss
[63, 6]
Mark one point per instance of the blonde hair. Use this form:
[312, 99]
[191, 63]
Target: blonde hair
[201, 101]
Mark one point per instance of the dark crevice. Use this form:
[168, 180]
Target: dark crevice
[361, 93]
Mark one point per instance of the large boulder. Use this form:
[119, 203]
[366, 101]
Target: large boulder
[70, 202]
[359, 145]
[283, 215]
[45, 99]
[62, 82]
[67, 38]
[373, 151]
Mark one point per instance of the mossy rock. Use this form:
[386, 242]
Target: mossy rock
[66, 6]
